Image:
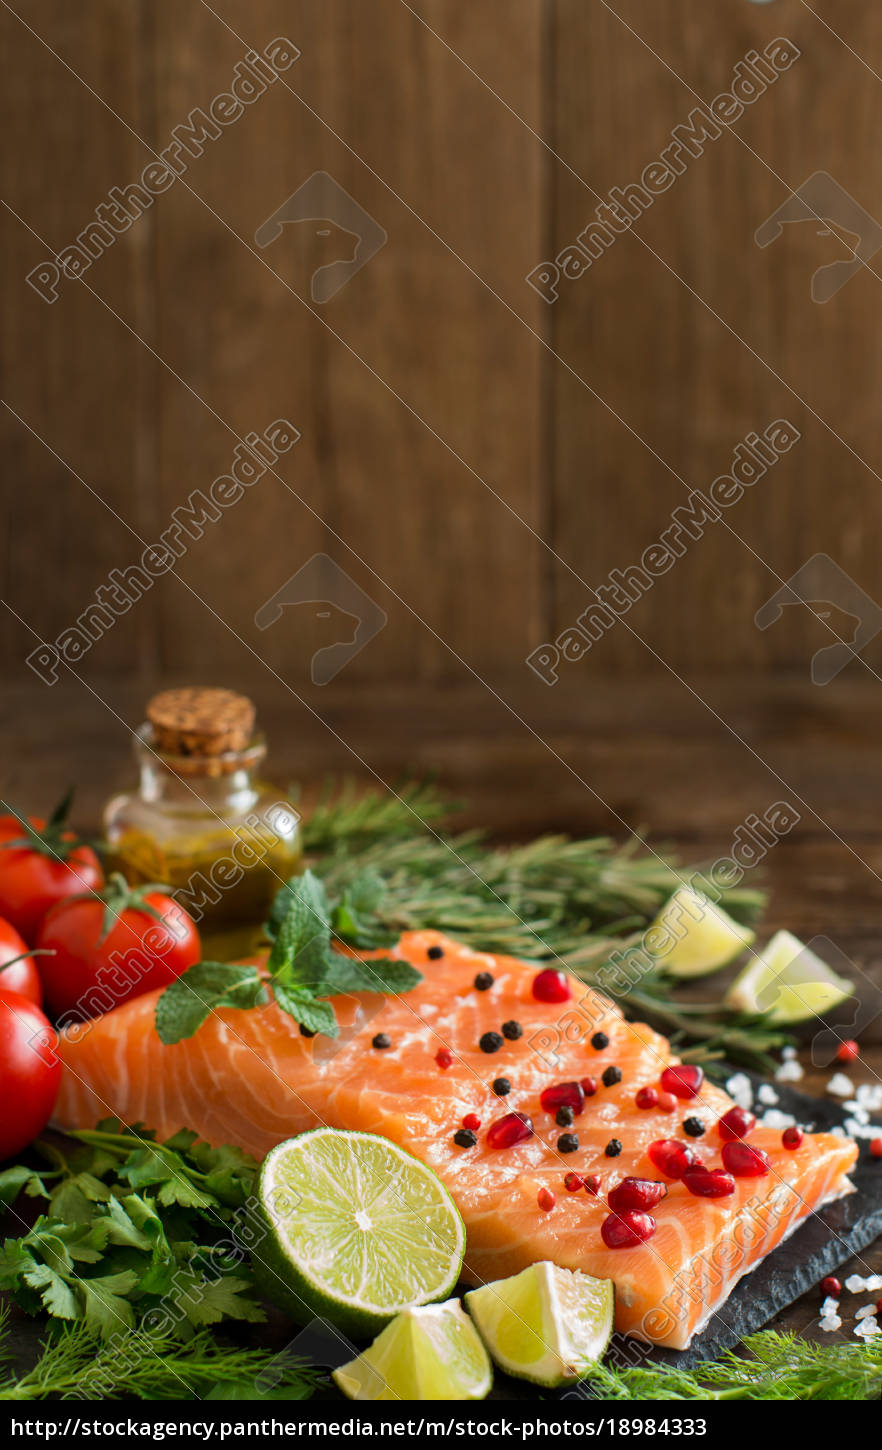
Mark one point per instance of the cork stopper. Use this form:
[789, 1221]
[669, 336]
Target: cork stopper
[201, 723]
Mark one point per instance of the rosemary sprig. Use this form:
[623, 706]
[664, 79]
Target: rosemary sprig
[767, 1366]
[553, 897]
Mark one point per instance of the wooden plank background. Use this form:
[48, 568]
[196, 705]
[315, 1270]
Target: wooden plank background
[476, 460]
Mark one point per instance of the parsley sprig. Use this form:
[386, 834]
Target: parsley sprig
[303, 969]
[130, 1225]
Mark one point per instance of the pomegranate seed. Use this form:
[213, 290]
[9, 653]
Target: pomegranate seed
[444, 1058]
[667, 1102]
[684, 1080]
[573, 1182]
[563, 1095]
[744, 1161]
[737, 1123]
[592, 1184]
[647, 1097]
[640, 1193]
[847, 1051]
[588, 1086]
[876, 1147]
[831, 1286]
[471, 1120]
[506, 1132]
[551, 986]
[546, 1200]
[624, 1230]
[672, 1157]
[792, 1138]
[709, 1183]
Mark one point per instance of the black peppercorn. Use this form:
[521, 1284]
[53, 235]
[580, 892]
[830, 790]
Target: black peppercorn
[613, 1148]
[306, 1031]
[483, 981]
[600, 1040]
[490, 1042]
[567, 1143]
[611, 1076]
[694, 1127]
[564, 1117]
[381, 1041]
[435, 954]
[465, 1138]
[501, 1087]
[512, 1030]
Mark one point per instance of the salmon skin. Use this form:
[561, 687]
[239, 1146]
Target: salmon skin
[251, 1079]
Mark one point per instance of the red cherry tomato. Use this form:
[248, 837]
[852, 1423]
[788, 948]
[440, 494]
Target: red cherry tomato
[112, 947]
[30, 1072]
[47, 866]
[23, 977]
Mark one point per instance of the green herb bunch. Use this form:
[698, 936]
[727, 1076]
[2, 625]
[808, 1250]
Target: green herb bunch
[386, 858]
[303, 968]
[131, 1228]
[766, 1366]
[150, 1365]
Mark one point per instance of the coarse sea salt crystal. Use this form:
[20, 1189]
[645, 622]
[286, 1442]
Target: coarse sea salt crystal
[869, 1095]
[774, 1118]
[867, 1329]
[790, 1072]
[855, 1283]
[766, 1094]
[740, 1088]
[788, 1053]
[856, 1129]
[829, 1323]
[838, 1131]
[868, 1311]
[829, 1306]
[840, 1086]
[857, 1112]
[874, 1283]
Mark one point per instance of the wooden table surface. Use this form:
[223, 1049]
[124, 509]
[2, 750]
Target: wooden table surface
[629, 757]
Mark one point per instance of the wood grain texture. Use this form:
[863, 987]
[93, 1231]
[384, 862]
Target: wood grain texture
[641, 329]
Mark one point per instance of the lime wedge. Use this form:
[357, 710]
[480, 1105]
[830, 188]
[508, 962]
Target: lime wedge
[692, 937]
[546, 1324]
[358, 1230]
[787, 982]
[424, 1354]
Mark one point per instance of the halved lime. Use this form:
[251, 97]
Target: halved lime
[691, 936]
[424, 1354]
[787, 982]
[546, 1324]
[358, 1230]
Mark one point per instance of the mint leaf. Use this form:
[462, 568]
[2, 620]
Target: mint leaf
[380, 974]
[314, 1015]
[184, 1006]
[306, 918]
[355, 918]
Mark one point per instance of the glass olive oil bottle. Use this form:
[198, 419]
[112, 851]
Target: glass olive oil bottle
[202, 820]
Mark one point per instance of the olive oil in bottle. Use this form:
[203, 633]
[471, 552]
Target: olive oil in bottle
[202, 820]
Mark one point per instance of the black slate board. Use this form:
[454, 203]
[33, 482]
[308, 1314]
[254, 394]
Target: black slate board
[827, 1239]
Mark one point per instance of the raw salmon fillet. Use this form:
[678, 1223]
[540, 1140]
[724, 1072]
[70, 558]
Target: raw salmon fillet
[250, 1078]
